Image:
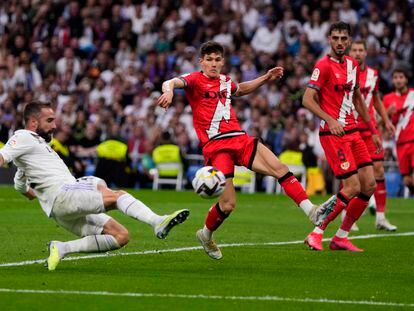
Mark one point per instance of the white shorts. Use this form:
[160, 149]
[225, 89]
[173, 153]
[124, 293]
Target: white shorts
[79, 207]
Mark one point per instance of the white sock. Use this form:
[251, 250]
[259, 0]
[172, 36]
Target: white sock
[306, 206]
[88, 244]
[342, 233]
[134, 208]
[343, 213]
[207, 233]
[318, 230]
[380, 216]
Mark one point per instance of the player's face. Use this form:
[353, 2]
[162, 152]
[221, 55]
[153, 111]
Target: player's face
[211, 64]
[46, 124]
[339, 41]
[358, 52]
[399, 80]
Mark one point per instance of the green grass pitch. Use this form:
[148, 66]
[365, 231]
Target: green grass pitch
[249, 277]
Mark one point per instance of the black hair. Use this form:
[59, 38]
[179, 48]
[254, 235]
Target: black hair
[340, 26]
[211, 47]
[33, 109]
[400, 70]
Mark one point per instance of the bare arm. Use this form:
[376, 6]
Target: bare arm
[30, 194]
[363, 112]
[379, 107]
[311, 101]
[168, 87]
[252, 85]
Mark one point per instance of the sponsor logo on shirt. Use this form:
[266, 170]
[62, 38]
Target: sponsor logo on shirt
[345, 165]
[315, 74]
[12, 143]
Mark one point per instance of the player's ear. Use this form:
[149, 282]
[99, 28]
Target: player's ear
[200, 60]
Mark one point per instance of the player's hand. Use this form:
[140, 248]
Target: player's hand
[377, 143]
[165, 100]
[275, 73]
[390, 128]
[336, 128]
[391, 109]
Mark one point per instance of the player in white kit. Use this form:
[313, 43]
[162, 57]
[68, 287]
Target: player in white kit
[78, 205]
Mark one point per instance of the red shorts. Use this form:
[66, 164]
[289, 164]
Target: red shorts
[405, 154]
[225, 153]
[367, 137]
[345, 154]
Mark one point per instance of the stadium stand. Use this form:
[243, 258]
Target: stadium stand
[102, 64]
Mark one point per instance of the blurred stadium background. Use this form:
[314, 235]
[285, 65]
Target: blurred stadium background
[102, 62]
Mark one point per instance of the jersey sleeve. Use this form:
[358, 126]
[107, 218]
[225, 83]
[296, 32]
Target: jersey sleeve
[17, 145]
[188, 79]
[20, 181]
[319, 77]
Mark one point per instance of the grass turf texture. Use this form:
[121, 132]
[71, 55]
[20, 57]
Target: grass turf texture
[382, 273]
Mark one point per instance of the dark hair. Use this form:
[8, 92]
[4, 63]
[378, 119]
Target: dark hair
[360, 42]
[400, 70]
[340, 26]
[33, 109]
[211, 47]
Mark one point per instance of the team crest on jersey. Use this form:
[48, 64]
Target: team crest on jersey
[315, 74]
[12, 143]
[345, 165]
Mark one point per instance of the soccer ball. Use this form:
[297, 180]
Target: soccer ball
[209, 182]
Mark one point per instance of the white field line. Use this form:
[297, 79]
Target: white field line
[191, 248]
[210, 297]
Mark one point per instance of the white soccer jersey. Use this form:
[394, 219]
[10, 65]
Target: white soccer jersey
[39, 166]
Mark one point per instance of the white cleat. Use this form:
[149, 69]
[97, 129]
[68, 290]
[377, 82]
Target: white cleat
[210, 247]
[384, 224]
[54, 256]
[319, 212]
[169, 222]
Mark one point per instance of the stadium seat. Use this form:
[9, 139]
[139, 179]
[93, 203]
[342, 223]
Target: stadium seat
[244, 179]
[168, 167]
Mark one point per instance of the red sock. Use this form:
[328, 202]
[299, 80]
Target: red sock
[355, 209]
[215, 217]
[293, 188]
[380, 195]
[341, 203]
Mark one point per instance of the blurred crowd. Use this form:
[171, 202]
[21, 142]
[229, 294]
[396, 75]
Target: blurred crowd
[102, 63]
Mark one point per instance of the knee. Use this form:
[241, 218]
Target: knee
[227, 206]
[369, 187]
[122, 237]
[379, 173]
[352, 189]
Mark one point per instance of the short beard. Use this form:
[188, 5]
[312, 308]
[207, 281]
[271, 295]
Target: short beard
[47, 136]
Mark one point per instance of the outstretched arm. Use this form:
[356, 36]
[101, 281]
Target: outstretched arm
[379, 107]
[252, 85]
[311, 101]
[168, 87]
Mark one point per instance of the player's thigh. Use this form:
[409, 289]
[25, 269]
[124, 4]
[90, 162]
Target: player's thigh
[77, 202]
[85, 225]
[265, 162]
[227, 199]
[367, 179]
[339, 155]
